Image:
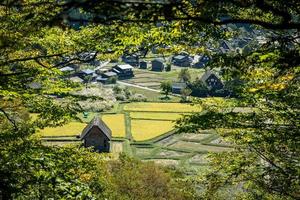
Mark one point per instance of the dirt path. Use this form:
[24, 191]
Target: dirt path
[138, 86]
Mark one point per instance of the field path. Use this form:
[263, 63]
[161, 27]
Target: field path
[138, 86]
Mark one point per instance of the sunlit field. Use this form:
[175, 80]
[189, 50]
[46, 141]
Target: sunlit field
[162, 107]
[155, 115]
[116, 123]
[148, 129]
[70, 129]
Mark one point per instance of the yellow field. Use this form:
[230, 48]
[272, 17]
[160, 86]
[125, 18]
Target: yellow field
[162, 107]
[148, 129]
[116, 123]
[155, 115]
[72, 128]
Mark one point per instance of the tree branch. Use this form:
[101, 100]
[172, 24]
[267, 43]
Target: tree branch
[13, 122]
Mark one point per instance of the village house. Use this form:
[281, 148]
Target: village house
[132, 60]
[76, 79]
[67, 69]
[123, 71]
[211, 80]
[182, 60]
[200, 61]
[106, 77]
[225, 46]
[158, 64]
[97, 135]
[86, 72]
[143, 65]
[178, 87]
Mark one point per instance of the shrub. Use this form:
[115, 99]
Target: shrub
[138, 97]
[112, 80]
[168, 67]
[121, 97]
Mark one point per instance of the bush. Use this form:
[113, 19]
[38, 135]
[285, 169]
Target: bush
[168, 67]
[96, 105]
[121, 97]
[112, 80]
[138, 97]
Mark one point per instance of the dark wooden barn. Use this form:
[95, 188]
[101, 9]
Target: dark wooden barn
[158, 65]
[96, 134]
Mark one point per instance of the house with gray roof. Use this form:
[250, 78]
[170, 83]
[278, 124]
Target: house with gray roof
[123, 71]
[182, 60]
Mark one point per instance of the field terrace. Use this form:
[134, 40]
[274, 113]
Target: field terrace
[146, 131]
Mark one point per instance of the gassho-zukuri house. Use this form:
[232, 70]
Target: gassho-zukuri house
[97, 134]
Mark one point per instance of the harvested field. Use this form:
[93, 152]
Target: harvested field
[165, 162]
[192, 146]
[143, 152]
[169, 153]
[199, 159]
[194, 136]
[117, 147]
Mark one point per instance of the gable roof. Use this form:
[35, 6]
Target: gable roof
[179, 57]
[66, 69]
[96, 122]
[87, 71]
[124, 67]
[207, 74]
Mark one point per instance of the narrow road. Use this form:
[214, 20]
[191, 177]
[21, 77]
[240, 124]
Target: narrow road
[144, 88]
[137, 86]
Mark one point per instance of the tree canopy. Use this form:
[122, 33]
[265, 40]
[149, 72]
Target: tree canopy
[39, 37]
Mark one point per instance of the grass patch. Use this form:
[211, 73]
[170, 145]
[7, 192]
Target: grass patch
[116, 122]
[162, 107]
[151, 95]
[148, 129]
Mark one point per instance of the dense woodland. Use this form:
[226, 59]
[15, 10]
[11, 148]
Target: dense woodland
[37, 37]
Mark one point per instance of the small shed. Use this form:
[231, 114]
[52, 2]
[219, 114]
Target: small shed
[97, 134]
[143, 65]
[158, 64]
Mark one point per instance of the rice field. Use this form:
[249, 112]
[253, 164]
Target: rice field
[162, 107]
[70, 129]
[148, 129]
[116, 122]
[155, 115]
